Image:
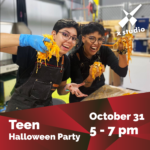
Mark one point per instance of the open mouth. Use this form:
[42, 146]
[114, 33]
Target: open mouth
[93, 48]
[65, 47]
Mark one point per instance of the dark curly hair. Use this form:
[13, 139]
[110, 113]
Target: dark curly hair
[92, 27]
[66, 23]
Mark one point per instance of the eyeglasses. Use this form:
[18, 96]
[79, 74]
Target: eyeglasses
[66, 36]
[93, 39]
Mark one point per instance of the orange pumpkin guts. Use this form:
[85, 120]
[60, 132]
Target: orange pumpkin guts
[96, 67]
[127, 44]
[129, 93]
[52, 48]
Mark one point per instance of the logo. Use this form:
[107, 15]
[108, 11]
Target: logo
[129, 17]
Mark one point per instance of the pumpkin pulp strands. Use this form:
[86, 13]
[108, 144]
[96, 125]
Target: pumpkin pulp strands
[52, 48]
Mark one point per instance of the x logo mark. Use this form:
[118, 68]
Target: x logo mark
[129, 17]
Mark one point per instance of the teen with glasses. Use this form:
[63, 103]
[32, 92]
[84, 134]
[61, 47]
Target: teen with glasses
[87, 53]
[35, 89]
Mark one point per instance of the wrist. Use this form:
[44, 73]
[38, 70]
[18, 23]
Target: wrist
[122, 52]
[66, 88]
[90, 79]
[23, 40]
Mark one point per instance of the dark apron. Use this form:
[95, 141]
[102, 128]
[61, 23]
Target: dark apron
[37, 90]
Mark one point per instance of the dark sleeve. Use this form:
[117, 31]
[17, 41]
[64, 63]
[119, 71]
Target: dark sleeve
[75, 73]
[66, 74]
[25, 56]
[113, 62]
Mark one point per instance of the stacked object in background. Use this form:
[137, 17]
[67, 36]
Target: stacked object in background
[141, 38]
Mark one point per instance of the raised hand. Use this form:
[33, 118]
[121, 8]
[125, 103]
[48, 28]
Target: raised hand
[35, 41]
[98, 73]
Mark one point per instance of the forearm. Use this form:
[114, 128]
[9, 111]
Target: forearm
[88, 81]
[122, 61]
[9, 40]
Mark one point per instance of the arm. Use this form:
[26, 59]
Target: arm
[122, 61]
[9, 43]
[119, 66]
[89, 80]
[9, 40]
[10, 50]
[61, 88]
[122, 58]
[15, 40]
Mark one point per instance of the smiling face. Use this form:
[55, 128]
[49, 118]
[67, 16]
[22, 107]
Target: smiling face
[91, 47]
[65, 39]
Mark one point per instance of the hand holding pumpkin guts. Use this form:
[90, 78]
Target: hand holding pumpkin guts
[96, 70]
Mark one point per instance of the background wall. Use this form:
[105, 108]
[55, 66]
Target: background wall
[43, 14]
[110, 10]
[8, 12]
